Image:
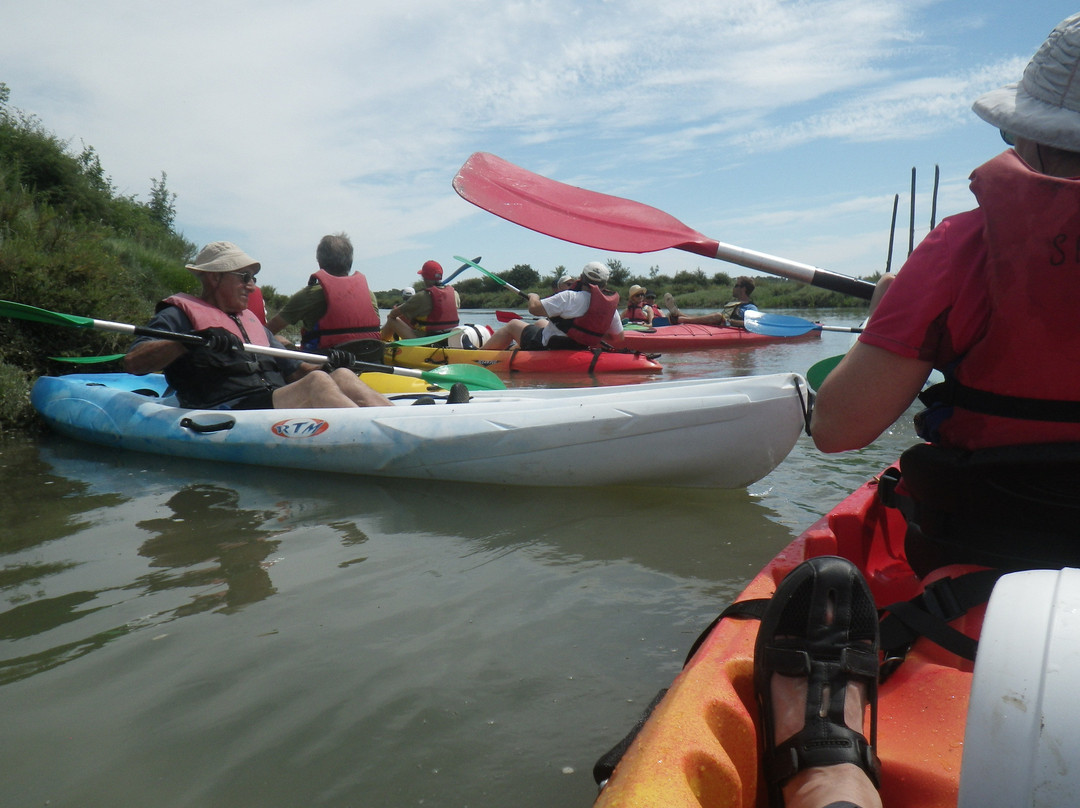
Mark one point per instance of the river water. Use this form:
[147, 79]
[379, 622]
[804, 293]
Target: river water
[180, 633]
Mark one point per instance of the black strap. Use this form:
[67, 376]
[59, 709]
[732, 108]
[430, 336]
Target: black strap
[929, 614]
[952, 393]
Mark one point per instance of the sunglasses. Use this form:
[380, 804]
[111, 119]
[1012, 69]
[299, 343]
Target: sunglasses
[1008, 137]
[245, 277]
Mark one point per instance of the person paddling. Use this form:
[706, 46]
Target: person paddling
[220, 374]
[955, 305]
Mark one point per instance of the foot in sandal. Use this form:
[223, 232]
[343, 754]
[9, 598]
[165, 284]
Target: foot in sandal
[815, 671]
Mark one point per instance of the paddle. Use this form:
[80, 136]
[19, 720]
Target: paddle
[470, 375]
[493, 276]
[457, 272]
[87, 360]
[612, 223]
[819, 370]
[426, 340]
[783, 325]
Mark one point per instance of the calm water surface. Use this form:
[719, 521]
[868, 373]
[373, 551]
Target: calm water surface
[176, 633]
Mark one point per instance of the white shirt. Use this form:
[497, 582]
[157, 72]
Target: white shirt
[571, 304]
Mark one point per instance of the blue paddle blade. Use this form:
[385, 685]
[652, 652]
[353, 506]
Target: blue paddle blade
[777, 325]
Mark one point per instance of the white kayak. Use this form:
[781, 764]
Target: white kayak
[701, 433]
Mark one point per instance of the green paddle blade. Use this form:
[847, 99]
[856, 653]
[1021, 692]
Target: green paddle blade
[87, 360]
[819, 370]
[475, 377]
[21, 311]
[427, 340]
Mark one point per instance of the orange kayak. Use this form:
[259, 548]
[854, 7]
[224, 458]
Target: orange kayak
[699, 745]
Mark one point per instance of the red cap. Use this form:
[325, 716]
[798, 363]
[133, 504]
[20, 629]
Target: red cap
[431, 270]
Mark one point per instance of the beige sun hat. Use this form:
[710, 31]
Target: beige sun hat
[635, 289]
[222, 256]
[1044, 106]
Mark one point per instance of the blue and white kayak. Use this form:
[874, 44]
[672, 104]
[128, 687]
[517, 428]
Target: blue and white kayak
[702, 433]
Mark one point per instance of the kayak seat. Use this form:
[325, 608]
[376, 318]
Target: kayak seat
[1008, 507]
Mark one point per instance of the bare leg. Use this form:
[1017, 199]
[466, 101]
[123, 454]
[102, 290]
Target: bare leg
[703, 319]
[342, 388]
[399, 327]
[505, 336]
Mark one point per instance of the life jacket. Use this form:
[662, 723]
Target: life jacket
[636, 313]
[206, 379]
[256, 304]
[443, 316]
[1008, 388]
[589, 328]
[349, 313]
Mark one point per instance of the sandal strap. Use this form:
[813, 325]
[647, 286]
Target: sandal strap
[808, 749]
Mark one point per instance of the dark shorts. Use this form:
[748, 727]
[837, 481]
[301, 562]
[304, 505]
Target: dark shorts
[531, 339]
[262, 400]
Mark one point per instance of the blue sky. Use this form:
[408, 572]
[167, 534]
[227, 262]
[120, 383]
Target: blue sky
[783, 127]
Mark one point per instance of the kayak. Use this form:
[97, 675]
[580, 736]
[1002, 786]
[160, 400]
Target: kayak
[542, 437]
[425, 357]
[698, 746]
[693, 337]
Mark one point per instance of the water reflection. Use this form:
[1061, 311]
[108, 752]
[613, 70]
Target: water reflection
[210, 542]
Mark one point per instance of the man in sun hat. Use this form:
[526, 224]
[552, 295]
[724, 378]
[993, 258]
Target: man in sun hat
[431, 310]
[988, 297]
[636, 311]
[220, 374]
[583, 316]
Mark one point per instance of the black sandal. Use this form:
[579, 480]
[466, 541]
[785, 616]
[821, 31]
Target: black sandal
[795, 640]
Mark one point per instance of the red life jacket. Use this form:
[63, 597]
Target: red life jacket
[443, 316]
[1013, 386]
[637, 313]
[349, 313]
[257, 305]
[205, 379]
[203, 315]
[589, 329]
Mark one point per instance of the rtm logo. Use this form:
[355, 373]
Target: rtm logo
[300, 428]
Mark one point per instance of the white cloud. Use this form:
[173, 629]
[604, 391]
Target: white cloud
[279, 121]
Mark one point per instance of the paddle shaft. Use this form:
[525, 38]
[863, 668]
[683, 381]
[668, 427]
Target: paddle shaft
[266, 350]
[493, 276]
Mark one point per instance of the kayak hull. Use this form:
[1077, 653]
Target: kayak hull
[694, 337]
[563, 437]
[700, 747]
[425, 357]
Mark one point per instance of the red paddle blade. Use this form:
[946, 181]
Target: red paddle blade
[573, 214]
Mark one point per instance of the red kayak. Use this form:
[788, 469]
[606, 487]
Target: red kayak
[694, 337]
[699, 746]
[426, 357]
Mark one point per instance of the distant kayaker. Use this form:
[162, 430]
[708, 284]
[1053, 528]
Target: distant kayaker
[988, 298]
[583, 316]
[733, 312]
[650, 304]
[638, 312]
[336, 306]
[431, 310]
[221, 375]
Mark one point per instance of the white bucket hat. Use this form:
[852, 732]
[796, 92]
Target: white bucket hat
[1044, 106]
[596, 272]
[222, 256]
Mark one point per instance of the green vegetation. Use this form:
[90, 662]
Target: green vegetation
[70, 243]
